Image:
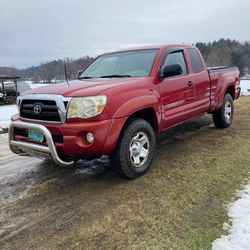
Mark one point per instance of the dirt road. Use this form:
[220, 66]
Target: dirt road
[89, 207]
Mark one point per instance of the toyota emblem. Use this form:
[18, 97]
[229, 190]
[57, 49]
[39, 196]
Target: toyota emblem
[37, 109]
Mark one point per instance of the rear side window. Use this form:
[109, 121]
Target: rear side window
[176, 58]
[195, 60]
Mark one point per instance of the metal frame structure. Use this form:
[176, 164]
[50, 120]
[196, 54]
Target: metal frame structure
[7, 77]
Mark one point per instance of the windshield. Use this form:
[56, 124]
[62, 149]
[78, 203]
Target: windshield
[123, 64]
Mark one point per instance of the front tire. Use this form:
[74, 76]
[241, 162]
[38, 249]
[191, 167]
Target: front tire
[224, 116]
[135, 149]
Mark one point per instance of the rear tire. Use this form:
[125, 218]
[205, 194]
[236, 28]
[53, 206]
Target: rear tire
[135, 149]
[224, 116]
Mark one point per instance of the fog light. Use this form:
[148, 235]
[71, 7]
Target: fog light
[90, 137]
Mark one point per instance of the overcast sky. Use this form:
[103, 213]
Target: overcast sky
[34, 31]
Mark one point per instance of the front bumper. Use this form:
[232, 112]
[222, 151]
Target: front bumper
[73, 144]
[22, 148]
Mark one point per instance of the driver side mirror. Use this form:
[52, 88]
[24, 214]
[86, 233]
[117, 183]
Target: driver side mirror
[79, 73]
[172, 70]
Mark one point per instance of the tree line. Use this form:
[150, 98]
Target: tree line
[227, 52]
[53, 70]
[217, 53]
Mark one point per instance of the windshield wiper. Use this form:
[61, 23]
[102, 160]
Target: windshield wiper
[114, 76]
[85, 77]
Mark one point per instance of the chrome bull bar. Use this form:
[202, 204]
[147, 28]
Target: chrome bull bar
[27, 148]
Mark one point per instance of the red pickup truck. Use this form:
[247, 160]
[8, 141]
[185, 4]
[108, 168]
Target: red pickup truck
[119, 103]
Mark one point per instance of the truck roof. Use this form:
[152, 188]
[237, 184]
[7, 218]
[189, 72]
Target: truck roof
[162, 47]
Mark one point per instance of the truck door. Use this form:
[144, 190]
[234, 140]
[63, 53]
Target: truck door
[201, 81]
[177, 92]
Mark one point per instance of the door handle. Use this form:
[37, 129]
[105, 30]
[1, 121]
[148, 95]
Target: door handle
[190, 83]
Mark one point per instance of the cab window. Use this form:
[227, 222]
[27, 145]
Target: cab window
[195, 60]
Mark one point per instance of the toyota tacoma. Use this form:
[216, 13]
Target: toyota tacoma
[119, 103]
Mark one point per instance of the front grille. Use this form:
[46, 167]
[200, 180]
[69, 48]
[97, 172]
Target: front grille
[45, 110]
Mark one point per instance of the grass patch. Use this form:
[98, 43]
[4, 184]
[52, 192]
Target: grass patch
[178, 204]
[181, 201]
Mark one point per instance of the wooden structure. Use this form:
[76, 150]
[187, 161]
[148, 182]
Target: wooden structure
[4, 78]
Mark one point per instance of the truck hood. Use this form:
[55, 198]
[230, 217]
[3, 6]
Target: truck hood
[83, 87]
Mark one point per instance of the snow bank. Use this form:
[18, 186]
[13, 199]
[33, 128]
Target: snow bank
[37, 85]
[245, 87]
[6, 112]
[239, 232]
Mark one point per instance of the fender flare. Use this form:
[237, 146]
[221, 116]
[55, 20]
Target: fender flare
[121, 115]
[221, 94]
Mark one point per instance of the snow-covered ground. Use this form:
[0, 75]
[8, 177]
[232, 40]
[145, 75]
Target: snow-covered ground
[6, 112]
[239, 231]
[245, 87]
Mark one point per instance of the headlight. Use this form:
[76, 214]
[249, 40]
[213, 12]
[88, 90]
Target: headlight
[86, 107]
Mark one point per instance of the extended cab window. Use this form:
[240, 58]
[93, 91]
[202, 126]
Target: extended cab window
[176, 58]
[195, 60]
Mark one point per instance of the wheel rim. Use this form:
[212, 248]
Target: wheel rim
[228, 111]
[139, 149]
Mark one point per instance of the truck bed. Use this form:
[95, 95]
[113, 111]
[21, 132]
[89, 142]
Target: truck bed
[216, 68]
[220, 76]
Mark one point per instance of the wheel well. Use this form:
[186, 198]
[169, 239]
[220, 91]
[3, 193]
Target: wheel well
[148, 115]
[231, 90]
